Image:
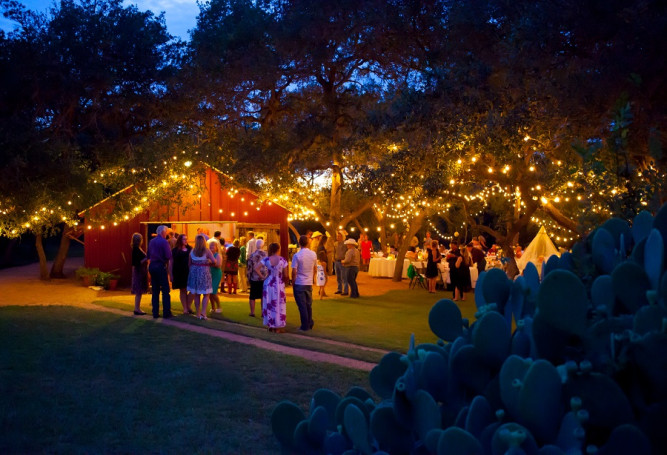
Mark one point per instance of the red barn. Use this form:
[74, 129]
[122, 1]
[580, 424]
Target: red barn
[216, 207]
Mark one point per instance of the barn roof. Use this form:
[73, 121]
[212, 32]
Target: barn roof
[217, 171]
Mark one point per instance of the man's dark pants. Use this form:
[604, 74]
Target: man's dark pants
[304, 301]
[352, 280]
[160, 282]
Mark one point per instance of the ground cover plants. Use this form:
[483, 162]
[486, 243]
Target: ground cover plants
[569, 364]
[78, 381]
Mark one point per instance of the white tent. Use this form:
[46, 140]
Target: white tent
[539, 251]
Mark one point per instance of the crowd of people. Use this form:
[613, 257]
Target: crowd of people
[198, 272]
[247, 265]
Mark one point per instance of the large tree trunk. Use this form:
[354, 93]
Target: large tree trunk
[415, 226]
[383, 233]
[43, 269]
[336, 192]
[61, 257]
[294, 231]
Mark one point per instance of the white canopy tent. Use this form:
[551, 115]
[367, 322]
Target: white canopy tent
[539, 251]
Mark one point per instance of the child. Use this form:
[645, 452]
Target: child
[321, 273]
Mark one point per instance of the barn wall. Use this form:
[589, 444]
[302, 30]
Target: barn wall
[109, 248]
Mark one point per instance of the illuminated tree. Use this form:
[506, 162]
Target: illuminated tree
[81, 91]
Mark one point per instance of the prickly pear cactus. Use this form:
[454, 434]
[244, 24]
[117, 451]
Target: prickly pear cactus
[572, 364]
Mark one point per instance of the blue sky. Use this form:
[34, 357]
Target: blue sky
[180, 14]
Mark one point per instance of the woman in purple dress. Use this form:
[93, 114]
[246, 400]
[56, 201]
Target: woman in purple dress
[139, 272]
[274, 302]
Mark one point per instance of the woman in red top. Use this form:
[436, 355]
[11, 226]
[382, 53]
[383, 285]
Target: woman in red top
[366, 247]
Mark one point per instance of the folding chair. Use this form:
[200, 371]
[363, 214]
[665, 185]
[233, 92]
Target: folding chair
[416, 278]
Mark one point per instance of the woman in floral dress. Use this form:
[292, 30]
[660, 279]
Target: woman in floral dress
[199, 279]
[274, 302]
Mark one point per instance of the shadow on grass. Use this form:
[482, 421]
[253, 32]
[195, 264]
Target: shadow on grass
[77, 381]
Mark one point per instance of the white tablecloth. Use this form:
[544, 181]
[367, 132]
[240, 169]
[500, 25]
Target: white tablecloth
[444, 271]
[383, 267]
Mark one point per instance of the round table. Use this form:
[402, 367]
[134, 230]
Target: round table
[383, 267]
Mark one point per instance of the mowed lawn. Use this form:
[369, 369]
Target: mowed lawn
[384, 321]
[78, 381]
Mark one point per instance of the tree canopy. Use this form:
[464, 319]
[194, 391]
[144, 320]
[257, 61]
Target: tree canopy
[487, 116]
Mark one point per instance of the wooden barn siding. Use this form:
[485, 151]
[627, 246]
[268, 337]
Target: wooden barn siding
[104, 248]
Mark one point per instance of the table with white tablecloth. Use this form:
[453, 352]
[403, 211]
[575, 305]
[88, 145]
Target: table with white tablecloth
[444, 273]
[383, 267]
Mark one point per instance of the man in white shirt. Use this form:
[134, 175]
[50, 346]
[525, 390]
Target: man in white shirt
[304, 270]
[251, 245]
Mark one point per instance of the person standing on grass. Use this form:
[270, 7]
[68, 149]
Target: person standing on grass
[304, 268]
[251, 246]
[159, 255]
[199, 280]
[322, 277]
[139, 272]
[243, 264]
[179, 270]
[366, 246]
[452, 257]
[432, 262]
[216, 276]
[339, 255]
[274, 301]
[232, 267]
[255, 279]
[351, 264]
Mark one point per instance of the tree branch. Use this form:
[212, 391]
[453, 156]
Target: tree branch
[559, 218]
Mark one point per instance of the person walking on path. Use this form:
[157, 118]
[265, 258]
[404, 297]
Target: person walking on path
[339, 254]
[256, 281]
[304, 268]
[159, 255]
[139, 272]
[199, 279]
[274, 301]
[351, 264]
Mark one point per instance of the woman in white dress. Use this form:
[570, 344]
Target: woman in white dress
[321, 277]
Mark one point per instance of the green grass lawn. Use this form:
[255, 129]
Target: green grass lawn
[384, 321]
[76, 381]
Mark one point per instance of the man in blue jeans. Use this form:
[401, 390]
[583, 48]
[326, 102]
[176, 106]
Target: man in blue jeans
[339, 254]
[159, 255]
[304, 270]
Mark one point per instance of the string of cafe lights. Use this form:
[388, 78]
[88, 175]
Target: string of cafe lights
[408, 206]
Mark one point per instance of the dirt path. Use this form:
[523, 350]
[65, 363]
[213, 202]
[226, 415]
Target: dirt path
[21, 286]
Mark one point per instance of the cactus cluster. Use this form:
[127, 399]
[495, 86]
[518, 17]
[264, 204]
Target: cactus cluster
[572, 363]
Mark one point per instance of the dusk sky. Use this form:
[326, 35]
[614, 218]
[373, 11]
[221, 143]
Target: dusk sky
[179, 14]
